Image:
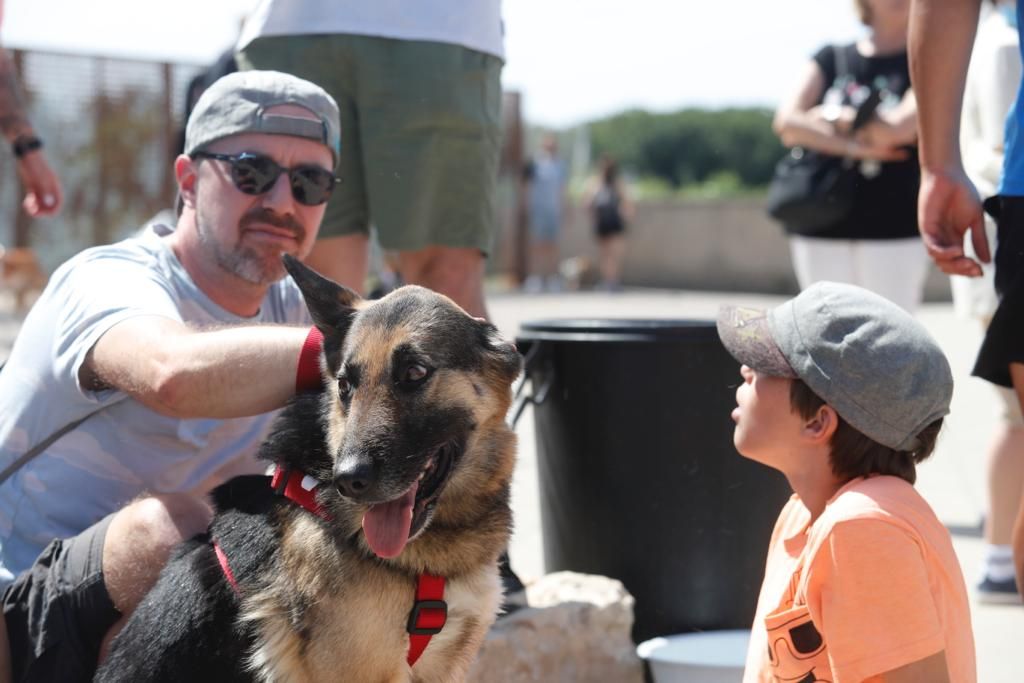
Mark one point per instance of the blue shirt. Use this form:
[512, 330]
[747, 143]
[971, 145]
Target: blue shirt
[1013, 164]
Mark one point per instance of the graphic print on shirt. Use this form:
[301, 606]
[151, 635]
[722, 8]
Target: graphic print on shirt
[882, 94]
[796, 649]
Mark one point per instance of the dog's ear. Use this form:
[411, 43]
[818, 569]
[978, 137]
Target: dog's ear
[501, 354]
[330, 305]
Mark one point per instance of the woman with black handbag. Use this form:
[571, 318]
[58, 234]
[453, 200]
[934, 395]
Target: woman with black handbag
[847, 193]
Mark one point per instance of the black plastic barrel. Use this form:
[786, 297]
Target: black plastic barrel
[639, 479]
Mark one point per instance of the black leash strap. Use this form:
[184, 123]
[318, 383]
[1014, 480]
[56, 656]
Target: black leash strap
[43, 445]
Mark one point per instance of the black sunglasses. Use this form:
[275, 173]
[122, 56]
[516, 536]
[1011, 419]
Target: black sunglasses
[256, 173]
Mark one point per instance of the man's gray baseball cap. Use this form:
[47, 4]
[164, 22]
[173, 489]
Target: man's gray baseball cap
[862, 354]
[238, 103]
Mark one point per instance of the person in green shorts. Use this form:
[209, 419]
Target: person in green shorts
[418, 85]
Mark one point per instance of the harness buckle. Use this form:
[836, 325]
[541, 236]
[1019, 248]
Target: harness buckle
[413, 626]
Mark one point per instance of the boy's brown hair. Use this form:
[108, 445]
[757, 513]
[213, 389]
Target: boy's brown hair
[852, 454]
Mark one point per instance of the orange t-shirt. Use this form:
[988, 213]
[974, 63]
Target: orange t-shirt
[871, 586]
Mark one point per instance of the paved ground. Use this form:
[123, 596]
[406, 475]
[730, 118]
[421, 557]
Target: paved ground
[953, 481]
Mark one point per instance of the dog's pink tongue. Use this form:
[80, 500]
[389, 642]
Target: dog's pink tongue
[386, 525]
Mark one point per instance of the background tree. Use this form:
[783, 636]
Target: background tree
[692, 146]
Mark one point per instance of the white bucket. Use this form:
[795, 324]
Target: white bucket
[708, 657]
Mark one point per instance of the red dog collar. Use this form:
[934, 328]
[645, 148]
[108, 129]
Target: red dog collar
[298, 487]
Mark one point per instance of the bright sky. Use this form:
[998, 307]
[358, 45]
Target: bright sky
[571, 59]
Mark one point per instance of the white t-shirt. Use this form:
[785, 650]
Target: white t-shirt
[125, 449]
[989, 93]
[991, 88]
[475, 24]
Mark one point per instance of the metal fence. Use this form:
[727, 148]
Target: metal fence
[111, 129]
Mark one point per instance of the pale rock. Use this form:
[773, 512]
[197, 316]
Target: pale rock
[576, 629]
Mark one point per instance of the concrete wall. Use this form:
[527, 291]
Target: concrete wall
[727, 245]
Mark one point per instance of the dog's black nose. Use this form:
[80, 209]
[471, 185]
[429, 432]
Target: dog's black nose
[355, 480]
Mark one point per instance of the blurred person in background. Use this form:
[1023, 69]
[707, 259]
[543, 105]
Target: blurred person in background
[611, 210]
[20, 269]
[419, 87]
[43, 194]
[941, 40]
[545, 177]
[992, 79]
[876, 245]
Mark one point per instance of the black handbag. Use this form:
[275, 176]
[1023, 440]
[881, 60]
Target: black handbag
[810, 190]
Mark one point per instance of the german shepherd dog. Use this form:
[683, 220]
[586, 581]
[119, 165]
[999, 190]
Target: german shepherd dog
[407, 461]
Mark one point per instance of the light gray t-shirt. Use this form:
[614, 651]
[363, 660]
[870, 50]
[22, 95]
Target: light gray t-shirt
[125, 449]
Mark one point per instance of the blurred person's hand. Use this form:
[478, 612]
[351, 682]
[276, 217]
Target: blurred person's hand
[43, 194]
[947, 207]
[870, 151]
[880, 133]
[840, 117]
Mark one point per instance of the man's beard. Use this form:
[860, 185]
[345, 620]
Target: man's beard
[256, 266]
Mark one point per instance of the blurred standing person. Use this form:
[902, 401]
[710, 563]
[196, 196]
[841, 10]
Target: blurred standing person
[43, 194]
[545, 176]
[941, 40]
[418, 85]
[876, 245]
[611, 209]
[992, 79]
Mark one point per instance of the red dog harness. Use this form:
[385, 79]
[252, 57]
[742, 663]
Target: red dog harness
[429, 611]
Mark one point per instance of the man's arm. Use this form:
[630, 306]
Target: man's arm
[180, 372]
[43, 193]
[941, 38]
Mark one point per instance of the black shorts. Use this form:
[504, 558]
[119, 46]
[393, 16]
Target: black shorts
[610, 227]
[58, 610]
[1004, 338]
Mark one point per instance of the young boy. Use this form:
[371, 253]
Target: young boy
[844, 393]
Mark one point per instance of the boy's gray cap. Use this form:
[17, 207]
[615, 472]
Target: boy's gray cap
[862, 354]
[237, 103]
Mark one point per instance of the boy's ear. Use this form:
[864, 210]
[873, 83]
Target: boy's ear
[822, 425]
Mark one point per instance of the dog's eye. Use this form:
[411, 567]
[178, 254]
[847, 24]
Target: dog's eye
[414, 373]
[344, 387]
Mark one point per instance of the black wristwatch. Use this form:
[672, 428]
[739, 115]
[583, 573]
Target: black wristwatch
[23, 144]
